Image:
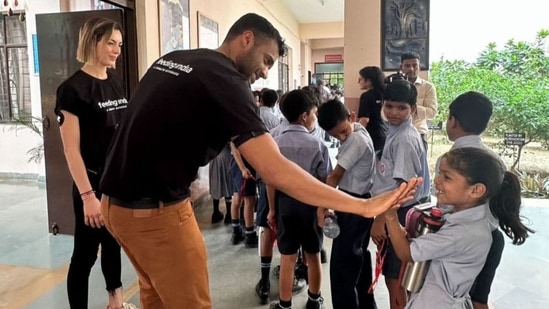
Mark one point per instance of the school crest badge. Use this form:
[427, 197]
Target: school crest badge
[382, 168]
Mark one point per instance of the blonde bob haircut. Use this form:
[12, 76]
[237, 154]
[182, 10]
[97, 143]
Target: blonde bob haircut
[91, 33]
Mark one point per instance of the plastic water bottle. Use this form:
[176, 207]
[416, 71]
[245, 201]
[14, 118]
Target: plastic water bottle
[331, 228]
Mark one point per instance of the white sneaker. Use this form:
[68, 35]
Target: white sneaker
[128, 306]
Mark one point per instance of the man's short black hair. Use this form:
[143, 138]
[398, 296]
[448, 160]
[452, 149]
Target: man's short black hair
[261, 28]
[472, 110]
[409, 55]
[331, 113]
[401, 91]
[269, 97]
[297, 102]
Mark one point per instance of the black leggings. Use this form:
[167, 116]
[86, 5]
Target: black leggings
[86, 246]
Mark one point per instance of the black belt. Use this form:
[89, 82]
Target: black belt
[144, 203]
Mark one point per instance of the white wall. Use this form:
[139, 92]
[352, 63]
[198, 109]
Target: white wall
[227, 12]
[318, 55]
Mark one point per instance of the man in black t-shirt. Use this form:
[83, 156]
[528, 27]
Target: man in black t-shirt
[202, 97]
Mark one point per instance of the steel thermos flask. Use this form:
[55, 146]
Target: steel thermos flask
[414, 274]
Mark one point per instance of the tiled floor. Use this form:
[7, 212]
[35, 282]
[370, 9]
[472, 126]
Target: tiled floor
[33, 263]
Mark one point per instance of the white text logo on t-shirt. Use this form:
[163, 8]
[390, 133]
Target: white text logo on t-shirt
[112, 105]
[171, 67]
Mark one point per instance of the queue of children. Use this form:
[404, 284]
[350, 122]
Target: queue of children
[479, 197]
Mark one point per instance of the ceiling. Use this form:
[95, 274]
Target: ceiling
[315, 11]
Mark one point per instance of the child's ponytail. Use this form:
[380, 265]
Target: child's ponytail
[505, 206]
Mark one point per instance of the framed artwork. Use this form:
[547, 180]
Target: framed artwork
[174, 25]
[100, 5]
[404, 28]
[208, 32]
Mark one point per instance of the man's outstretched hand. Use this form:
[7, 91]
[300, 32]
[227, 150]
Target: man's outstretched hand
[395, 198]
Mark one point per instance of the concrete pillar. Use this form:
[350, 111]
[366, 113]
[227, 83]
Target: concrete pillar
[362, 44]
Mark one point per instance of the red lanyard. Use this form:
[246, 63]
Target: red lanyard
[242, 187]
[380, 259]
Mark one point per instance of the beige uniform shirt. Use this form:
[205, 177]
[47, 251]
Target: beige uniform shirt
[427, 106]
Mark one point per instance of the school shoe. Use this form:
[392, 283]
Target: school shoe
[276, 305]
[250, 240]
[302, 272]
[125, 306]
[276, 271]
[227, 219]
[263, 290]
[217, 217]
[315, 304]
[298, 286]
[237, 238]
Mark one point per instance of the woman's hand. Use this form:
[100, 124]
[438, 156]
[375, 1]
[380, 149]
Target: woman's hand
[92, 211]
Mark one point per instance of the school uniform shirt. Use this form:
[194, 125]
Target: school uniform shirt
[357, 156]
[276, 131]
[473, 141]
[181, 115]
[99, 105]
[403, 157]
[318, 131]
[304, 149]
[269, 119]
[427, 106]
[457, 253]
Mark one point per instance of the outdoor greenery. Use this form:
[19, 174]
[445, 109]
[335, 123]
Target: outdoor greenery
[28, 122]
[515, 77]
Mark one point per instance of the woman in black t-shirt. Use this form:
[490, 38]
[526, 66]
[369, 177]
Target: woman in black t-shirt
[369, 110]
[89, 106]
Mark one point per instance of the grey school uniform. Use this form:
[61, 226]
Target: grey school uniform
[318, 132]
[276, 131]
[269, 119]
[356, 156]
[350, 261]
[403, 157]
[220, 174]
[297, 222]
[457, 253]
[483, 283]
[304, 149]
[473, 141]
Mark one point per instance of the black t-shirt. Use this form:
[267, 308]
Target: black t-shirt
[183, 112]
[370, 107]
[99, 105]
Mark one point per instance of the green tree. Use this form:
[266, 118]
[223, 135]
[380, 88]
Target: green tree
[515, 78]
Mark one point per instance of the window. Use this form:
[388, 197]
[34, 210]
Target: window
[331, 73]
[15, 101]
[284, 73]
